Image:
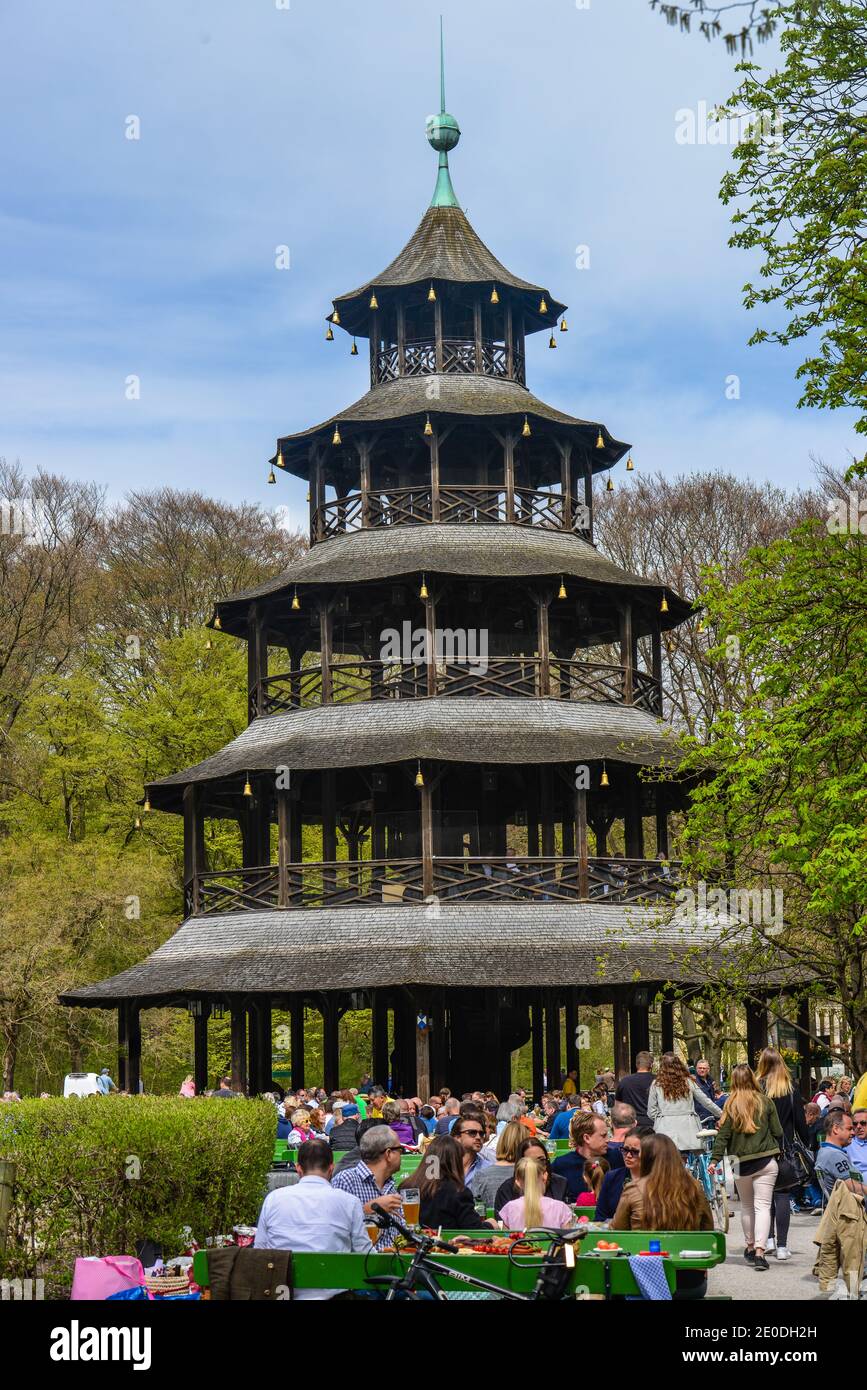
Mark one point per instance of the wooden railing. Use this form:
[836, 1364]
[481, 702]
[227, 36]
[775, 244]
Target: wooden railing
[356, 681]
[390, 882]
[458, 359]
[479, 504]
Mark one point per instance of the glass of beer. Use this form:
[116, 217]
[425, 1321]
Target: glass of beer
[411, 1205]
[373, 1233]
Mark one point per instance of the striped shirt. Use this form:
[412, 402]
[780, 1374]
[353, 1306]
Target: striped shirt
[361, 1183]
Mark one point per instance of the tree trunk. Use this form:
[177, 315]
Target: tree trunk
[11, 1032]
[689, 1033]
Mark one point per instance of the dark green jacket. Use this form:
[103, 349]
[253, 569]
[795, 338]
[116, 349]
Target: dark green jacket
[765, 1143]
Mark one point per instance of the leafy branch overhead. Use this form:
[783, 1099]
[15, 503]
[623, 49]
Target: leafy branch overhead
[756, 21]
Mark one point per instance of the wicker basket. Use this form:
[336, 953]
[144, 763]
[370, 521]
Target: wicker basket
[162, 1284]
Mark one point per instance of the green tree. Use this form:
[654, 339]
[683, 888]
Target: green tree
[756, 20]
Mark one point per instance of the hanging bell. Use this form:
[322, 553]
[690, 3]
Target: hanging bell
[208, 645]
[329, 336]
[561, 593]
[431, 294]
[526, 431]
[600, 442]
[296, 602]
[308, 494]
[353, 351]
[543, 305]
[630, 466]
[609, 486]
[280, 463]
[603, 780]
[147, 804]
[495, 298]
[423, 591]
[335, 438]
[138, 823]
[272, 477]
[428, 427]
[702, 625]
[374, 302]
[663, 607]
[564, 327]
[217, 622]
[335, 317]
[248, 790]
[419, 779]
[552, 341]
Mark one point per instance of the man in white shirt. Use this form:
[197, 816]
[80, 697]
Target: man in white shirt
[312, 1215]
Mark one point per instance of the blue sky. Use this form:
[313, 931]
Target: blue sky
[263, 126]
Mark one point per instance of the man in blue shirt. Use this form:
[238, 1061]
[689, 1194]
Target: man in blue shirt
[856, 1152]
[832, 1163]
[560, 1127]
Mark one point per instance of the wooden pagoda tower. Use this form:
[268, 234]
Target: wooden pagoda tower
[455, 835]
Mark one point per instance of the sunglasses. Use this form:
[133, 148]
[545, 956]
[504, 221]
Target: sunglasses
[627, 1150]
[473, 1133]
[859, 1122]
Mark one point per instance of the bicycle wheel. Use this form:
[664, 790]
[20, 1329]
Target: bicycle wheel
[720, 1207]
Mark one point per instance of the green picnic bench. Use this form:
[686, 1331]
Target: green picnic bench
[605, 1273]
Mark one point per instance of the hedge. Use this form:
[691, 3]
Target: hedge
[96, 1175]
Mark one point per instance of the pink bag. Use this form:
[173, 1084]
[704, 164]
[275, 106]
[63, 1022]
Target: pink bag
[97, 1276]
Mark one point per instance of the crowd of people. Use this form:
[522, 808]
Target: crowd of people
[488, 1163]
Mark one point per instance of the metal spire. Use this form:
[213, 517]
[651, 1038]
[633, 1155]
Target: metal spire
[443, 133]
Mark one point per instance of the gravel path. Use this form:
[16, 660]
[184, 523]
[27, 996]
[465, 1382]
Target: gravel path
[791, 1280]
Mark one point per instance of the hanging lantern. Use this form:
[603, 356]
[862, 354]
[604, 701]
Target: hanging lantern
[495, 298]
[353, 351]
[526, 431]
[564, 327]
[419, 779]
[374, 302]
[423, 593]
[609, 486]
[296, 602]
[603, 780]
[543, 305]
[147, 803]
[217, 622]
[335, 438]
[562, 590]
[248, 790]
[552, 341]
[329, 334]
[431, 294]
[600, 442]
[663, 607]
[272, 477]
[630, 466]
[335, 317]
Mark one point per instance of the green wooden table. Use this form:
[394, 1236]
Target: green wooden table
[604, 1273]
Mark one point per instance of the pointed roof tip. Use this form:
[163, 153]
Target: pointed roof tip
[443, 133]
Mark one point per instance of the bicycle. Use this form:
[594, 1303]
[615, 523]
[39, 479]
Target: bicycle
[712, 1184]
[422, 1272]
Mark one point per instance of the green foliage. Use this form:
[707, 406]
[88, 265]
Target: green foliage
[94, 1176]
[756, 20]
[801, 179]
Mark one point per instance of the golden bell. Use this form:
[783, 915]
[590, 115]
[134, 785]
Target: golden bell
[335, 438]
[562, 590]
[663, 607]
[374, 302]
[552, 341]
[564, 327]
[280, 463]
[248, 790]
[495, 298]
[543, 306]
[138, 823]
[428, 427]
[329, 336]
[423, 591]
[431, 294]
[208, 645]
[609, 486]
[308, 494]
[603, 780]
[419, 780]
[353, 351]
[702, 625]
[296, 602]
[526, 431]
[147, 804]
[335, 317]
[630, 466]
[217, 622]
[600, 442]
[272, 477]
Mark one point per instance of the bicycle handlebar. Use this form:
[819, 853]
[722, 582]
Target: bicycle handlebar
[419, 1242]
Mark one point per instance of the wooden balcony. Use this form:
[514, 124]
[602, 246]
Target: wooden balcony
[466, 505]
[392, 882]
[506, 676]
[452, 356]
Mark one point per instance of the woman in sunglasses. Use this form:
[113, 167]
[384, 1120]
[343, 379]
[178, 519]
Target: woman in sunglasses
[617, 1178]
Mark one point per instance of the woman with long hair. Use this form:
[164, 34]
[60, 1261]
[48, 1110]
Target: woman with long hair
[665, 1197]
[485, 1184]
[445, 1200]
[532, 1208]
[775, 1080]
[671, 1104]
[751, 1132]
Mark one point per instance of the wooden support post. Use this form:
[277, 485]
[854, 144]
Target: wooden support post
[581, 848]
[434, 442]
[661, 822]
[804, 1048]
[363, 447]
[257, 660]
[374, 347]
[325, 647]
[573, 1056]
[543, 643]
[552, 1038]
[757, 1030]
[588, 497]
[509, 469]
[426, 814]
[639, 1030]
[194, 848]
[133, 1046]
[296, 1020]
[122, 1046]
[200, 1048]
[621, 1038]
[438, 1046]
[626, 653]
[656, 660]
[284, 853]
[317, 500]
[666, 1022]
[329, 825]
[546, 809]
[477, 332]
[379, 1029]
[438, 332]
[430, 624]
[239, 1044]
[509, 338]
[538, 1044]
[565, 450]
[632, 822]
[330, 1043]
[401, 339]
[422, 1056]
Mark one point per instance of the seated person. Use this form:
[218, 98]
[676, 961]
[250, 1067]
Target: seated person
[595, 1169]
[444, 1198]
[588, 1136]
[833, 1163]
[556, 1186]
[532, 1208]
[666, 1197]
[616, 1178]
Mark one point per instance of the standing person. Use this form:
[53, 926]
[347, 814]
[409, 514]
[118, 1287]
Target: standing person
[445, 1200]
[532, 1208]
[570, 1084]
[469, 1131]
[372, 1179]
[751, 1132]
[775, 1079]
[312, 1216]
[623, 1119]
[671, 1104]
[634, 1089]
[105, 1083]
